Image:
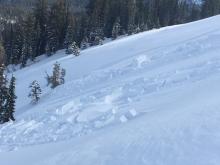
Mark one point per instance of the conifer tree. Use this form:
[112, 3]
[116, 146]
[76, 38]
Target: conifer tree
[143, 27]
[9, 42]
[98, 37]
[52, 41]
[11, 100]
[28, 33]
[116, 29]
[131, 7]
[2, 53]
[40, 13]
[18, 44]
[84, 43]
[69, 37]
[25, 54]
[3, 88]
[62, 76]
[59, 20]
[3, 95]
[73, 49]
[56, 75]
[137, 30]
[35, 92]
[131, 29]
[48, 51]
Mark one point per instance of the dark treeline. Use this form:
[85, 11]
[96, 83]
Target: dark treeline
[48, 27]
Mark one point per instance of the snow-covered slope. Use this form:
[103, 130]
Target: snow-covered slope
[151, 98]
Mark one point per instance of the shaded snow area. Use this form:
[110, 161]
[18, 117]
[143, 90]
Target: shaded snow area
[147, 99]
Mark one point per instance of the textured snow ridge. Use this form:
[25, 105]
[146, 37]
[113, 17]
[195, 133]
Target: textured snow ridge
[151, 98]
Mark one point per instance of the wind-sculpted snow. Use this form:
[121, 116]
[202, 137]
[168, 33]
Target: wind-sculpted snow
[152, 98]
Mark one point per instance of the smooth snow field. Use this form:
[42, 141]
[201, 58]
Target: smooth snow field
[147, 99]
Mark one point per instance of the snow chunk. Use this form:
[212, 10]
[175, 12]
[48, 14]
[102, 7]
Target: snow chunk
[92, 112]
[123, 119]
[109, 99]
[133, 112]
[142, 59]
[72, 106]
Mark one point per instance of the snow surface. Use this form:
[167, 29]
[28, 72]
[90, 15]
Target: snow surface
[151, 98]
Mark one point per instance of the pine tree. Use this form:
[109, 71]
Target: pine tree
[18, 44]
[137, 30]
[52, 32]
[9, 43]
[48, 51]
[96, 11]
[98, 40]
[35, 92]
[131, 29]
[116, 29]
[96, 37]
[143, 27]
[2, 54]
[73, 49]
[69, 37]
[76, 50]
[84, 43]
[11, 100]
[29, 35]
[3, 88]
[3, 95]
[52, 41]
[34, 41]
[56, 75]
[25, 55]
[62, 76]
[40, 13]
[131, 7]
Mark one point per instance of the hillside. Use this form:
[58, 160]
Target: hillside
[151, 98]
